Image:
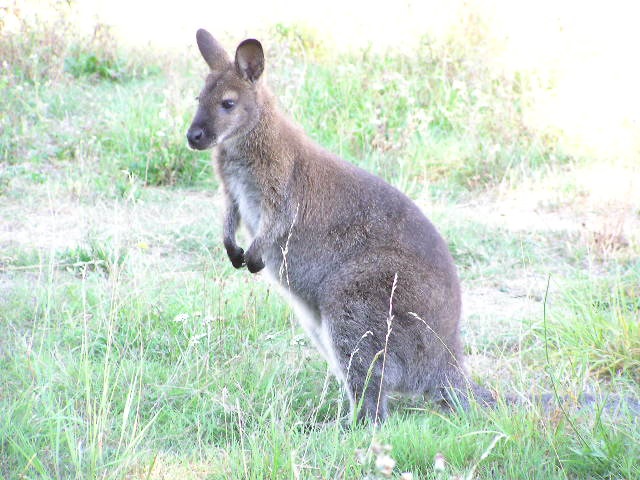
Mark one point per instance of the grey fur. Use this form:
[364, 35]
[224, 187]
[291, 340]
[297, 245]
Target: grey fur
[334, 237]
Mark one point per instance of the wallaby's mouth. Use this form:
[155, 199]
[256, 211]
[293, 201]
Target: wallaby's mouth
[199, 140]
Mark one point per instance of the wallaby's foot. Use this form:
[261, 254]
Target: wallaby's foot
[483, 396]
[236, 255]
[342, 423]
[374, 416]
[371, 413]
[454, 398]
[373, 407]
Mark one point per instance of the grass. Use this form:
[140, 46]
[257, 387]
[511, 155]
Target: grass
[130, 348]
[601, 316]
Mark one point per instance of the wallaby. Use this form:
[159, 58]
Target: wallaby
[369, 277]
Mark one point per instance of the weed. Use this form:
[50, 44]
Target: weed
[94, 256]
[34, 53]
[99, 58]
[598, 331]
[81, 64]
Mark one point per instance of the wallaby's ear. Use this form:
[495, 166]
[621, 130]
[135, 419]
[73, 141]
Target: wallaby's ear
[212, 52]
[250, 59]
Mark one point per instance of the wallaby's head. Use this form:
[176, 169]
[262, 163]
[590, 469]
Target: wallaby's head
[228, 105]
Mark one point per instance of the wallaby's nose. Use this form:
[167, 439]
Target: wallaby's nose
[195, 136]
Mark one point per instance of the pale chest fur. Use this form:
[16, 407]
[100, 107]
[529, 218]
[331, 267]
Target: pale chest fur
[242, 188]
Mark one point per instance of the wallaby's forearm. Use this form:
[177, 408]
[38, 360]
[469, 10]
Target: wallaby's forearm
[231, 221]
[270, 229]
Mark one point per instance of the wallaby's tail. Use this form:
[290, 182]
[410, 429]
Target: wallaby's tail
[613, 405]
[455, 396]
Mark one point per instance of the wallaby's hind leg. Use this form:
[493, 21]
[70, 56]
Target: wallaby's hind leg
[358, 354]
[367, 394]
[373, 406]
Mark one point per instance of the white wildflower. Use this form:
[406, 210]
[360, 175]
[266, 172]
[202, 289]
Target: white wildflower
[385, 464]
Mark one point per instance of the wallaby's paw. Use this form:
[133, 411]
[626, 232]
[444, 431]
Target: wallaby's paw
[254, 265]
[236, 255]
[253, 258]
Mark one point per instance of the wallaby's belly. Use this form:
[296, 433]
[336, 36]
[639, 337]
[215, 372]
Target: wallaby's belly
[310, 320]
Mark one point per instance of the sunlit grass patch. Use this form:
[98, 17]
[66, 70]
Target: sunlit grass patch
[437, 112]
[596, 328]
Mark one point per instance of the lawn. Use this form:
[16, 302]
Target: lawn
[131, 349]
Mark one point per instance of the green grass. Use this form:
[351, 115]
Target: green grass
[597, 328]
[390, 113]
[130, 348]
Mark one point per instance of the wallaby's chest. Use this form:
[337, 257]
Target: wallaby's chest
[243, 189]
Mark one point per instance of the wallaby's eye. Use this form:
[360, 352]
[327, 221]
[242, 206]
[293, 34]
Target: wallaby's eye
[228, 104]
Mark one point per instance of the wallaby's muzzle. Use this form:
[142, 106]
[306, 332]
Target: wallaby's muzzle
[197, 138]
[199, 134]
